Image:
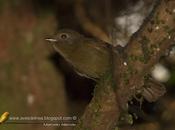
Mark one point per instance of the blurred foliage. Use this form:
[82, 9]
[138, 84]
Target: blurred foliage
[25, 69]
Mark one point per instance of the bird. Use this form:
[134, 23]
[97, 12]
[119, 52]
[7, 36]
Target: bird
[89, 57]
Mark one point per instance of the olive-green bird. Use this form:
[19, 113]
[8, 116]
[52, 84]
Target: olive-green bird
[89, 57]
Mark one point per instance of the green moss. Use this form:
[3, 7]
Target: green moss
[146, 77]
[142, 59]
[145, 50]
[157, 20]
[154, 46]
[144, 40]
[170, 31]
[95, 106]
[166, 28]
[128, 73]
[107, 79]
[139, 58]
[126, 118]
[132, 58]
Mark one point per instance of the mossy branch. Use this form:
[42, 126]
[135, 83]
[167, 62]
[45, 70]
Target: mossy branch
[144, 50]
[131, 66]
[102, 112]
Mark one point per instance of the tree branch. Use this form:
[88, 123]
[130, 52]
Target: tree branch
[144, 50]
[131, 66]
[87, 24]
[102, 113]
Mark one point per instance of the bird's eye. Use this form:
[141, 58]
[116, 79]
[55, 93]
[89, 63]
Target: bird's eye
[64, 36]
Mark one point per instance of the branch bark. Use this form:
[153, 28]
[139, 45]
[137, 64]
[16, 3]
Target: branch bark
[132, 65]
[155, 37]
[87, 24]
[103, 112]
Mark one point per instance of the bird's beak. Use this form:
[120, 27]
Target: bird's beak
[51, 40]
